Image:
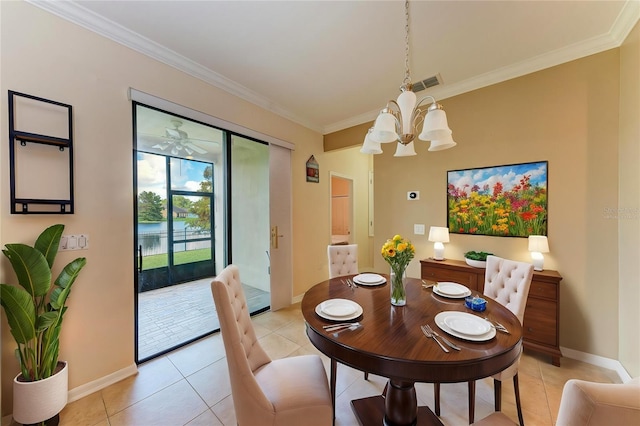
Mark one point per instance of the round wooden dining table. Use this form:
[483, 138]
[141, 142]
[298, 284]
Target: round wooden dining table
[391, 344]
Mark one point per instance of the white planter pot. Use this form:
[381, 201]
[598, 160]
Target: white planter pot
[476, 263]
[35, 402]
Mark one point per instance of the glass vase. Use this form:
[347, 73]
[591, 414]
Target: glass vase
[397, 281]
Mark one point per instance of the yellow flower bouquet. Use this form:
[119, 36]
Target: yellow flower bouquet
[398, 252]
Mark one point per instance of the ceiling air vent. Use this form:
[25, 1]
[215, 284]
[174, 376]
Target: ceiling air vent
[426, 83]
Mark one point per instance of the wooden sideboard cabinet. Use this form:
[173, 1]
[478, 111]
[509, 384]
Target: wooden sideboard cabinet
[541, 328]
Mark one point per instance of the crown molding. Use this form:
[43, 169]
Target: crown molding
[626, 20]
[85, 18]
[73, 12]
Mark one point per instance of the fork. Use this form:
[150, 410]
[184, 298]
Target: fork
[335, 327]
[353, 283]
[427, 285]
[348, 284]
[342, 324]
[432, 331]
[431, 336]
[497, 325]
[353, 327]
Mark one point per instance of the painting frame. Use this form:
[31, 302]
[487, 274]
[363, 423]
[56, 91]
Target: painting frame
[500, 201]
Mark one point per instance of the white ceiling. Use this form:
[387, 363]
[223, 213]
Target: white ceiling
[329, 65]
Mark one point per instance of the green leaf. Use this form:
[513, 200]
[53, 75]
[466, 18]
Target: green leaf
[46, 320]
[23, 365]
[50, 349]
[64, 281]
[31, 268]
[35, 323]
[21, 313]
[48, 243]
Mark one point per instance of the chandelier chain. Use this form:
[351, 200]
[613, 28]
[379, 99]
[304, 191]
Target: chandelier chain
[407, 75]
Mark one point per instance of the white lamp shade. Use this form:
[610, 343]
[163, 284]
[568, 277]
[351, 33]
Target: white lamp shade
[538, 244]
[439, 234]
[407, 102]
[435, 126]
[384, 130]
[405, 150]
[369, 146]
[440, 144]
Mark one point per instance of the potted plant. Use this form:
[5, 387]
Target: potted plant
[477, 259]
[35, 311]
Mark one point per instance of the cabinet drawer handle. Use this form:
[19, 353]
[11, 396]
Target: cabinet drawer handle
[529, 329]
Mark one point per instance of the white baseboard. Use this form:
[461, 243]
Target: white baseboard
[297, 298]
[600, 361]
[103, 382]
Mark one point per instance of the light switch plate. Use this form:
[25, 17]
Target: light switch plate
[418, 229]
[74, 242]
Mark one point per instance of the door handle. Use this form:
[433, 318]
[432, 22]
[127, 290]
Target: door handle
[140, 258]
[274, 237]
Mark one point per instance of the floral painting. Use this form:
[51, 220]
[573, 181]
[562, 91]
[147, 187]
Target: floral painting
[505, 201]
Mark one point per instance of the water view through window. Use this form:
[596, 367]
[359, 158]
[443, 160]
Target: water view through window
[183, 228]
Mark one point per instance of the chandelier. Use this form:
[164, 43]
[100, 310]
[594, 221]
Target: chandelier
[400, 119]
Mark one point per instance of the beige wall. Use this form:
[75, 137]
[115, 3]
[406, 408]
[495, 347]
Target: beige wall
[629, 203]
[311, 225]
[567, 115]
[49, 57]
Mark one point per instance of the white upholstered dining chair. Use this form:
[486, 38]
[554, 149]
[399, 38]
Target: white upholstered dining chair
[507, 282]
[281, 392]
[586, 403]
[343, 260]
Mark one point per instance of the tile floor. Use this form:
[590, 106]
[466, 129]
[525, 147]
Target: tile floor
[190, 386]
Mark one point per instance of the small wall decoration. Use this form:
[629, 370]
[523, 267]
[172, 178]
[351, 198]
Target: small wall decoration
[505, 201]
[313, 170]
[40, 138]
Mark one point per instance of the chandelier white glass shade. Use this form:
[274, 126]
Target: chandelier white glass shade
[438, 235]
[369, 146]
[400, 120]
[404, 150]
[538, 244]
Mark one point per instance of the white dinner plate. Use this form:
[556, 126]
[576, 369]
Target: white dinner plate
[470, 325]
[339, 309]
[443, 317]
[436, 290]
[451, 289]
[369, 279]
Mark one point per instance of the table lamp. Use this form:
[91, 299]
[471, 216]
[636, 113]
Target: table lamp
[438, 235]
[538, 244]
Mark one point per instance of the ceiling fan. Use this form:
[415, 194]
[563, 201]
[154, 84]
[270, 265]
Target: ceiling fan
[178, 140]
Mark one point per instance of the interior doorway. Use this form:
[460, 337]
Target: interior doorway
[341, 202]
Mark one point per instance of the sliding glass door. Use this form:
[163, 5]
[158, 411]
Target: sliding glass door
[250, 217]
[201, 203]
